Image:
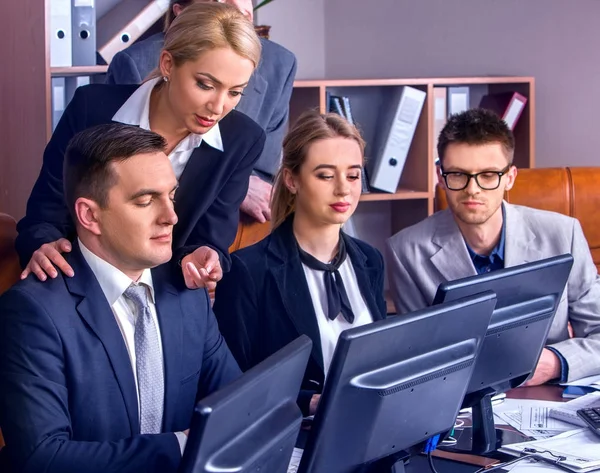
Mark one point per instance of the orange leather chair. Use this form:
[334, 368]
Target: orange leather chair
[569, 191]
[9, 262]
[249, 232]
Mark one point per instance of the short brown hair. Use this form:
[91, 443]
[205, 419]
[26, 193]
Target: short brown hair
[310, 127]
[476, 126]
[87, 165]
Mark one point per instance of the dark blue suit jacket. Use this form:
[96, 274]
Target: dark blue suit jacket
[68, 401]
[264, 302]
[211, 188]
[266, 99]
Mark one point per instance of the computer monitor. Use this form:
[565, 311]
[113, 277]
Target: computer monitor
[252, 424]
[528, 296]
[393, 384]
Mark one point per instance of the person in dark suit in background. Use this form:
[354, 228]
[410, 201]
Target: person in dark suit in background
[101, 372]
[308, 276]
[208, 58]
[266, 98]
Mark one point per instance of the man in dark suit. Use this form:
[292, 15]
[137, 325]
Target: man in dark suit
[266, 98]
[100, 372]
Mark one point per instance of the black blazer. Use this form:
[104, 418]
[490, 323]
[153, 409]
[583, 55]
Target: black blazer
[264, 303]
[211, 188]
[68, 401]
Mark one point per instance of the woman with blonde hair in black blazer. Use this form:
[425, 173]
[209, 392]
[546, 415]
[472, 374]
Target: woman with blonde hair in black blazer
[209, 54]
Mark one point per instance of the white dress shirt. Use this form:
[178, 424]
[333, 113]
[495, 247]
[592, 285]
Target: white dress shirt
[136, 111]
[113, 283]
[330, 330]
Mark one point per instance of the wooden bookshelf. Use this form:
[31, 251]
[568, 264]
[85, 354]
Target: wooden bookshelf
[381, 214]
[76, 71]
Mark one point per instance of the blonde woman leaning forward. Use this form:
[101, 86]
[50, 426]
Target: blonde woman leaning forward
[209, 54]
[307, 277]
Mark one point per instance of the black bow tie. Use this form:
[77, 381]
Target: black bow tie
[337, 298]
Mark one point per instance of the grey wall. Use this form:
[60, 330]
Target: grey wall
[556, 41]
[299, 25]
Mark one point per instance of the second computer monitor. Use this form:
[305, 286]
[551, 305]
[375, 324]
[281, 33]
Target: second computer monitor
[528, 296]
[393, 384]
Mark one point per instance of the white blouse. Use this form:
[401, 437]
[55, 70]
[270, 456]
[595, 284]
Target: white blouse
[330, 330]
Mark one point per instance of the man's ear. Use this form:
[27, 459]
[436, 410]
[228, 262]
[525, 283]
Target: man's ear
[511, 177]
[87, 212]
[440, 178]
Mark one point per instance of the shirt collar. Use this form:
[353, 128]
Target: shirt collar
[136, 111]
[113, 281]
[498, 251]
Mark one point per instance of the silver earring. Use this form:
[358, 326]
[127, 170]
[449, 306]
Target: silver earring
[165, 78]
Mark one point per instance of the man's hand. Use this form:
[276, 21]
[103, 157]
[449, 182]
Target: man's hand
[202, 268]
[49, 254]
[314, 403]
[257, 201]
[548, 368]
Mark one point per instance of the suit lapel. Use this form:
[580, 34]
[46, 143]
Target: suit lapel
[94, 309]
[169, 313]
[293, 289]
[519, 245]
[187, 206]
[251, 104]
[366, 276]
[452, 259]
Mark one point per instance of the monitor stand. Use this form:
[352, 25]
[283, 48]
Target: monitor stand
[482, 437]
[390, 464]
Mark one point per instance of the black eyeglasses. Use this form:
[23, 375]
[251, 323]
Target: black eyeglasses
[486, 180]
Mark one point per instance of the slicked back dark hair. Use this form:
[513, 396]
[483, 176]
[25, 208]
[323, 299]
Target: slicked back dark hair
[87, 170]
[476, 126]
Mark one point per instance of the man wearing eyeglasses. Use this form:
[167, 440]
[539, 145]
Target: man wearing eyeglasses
[480, 232]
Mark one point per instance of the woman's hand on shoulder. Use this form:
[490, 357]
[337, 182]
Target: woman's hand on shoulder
[44, 260]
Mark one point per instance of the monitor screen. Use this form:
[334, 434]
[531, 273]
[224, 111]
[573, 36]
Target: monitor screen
[528, 296]
[252, 424]
[394, 383]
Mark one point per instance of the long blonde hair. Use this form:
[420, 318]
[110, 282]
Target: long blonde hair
[202, 27]
[310, 127]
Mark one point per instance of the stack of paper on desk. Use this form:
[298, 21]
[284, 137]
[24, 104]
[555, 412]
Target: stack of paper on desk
[567, 411]
[531, 417]
[580, 447]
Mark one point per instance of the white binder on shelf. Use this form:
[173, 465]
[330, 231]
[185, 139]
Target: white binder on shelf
[60, 33]
[114, 36]
[458, 100]
[396, 131]
[58, 99]
[63, 89]
[83, 22]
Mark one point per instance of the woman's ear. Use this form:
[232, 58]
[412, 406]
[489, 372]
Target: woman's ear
[289, 181]
[165, 64]
[177, 9]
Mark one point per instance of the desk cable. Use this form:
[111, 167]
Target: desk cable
[531, 454]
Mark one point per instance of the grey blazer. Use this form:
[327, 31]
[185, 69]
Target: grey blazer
[266, 98]
[422, 256]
